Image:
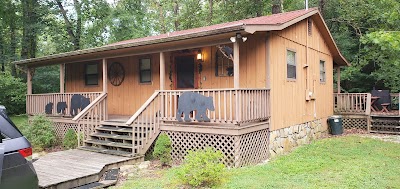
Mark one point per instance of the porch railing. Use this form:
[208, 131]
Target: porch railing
[39, 103]
[146, 124]
[352, 103]
[90, 117]
[231, 105]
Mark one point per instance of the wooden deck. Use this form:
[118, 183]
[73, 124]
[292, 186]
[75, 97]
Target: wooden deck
[72, 168]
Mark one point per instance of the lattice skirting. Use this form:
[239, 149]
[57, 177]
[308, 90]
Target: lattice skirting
[61, 128]
[239, 150]
[388, 125]
[355, 123]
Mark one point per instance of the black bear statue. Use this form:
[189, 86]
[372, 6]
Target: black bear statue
[78, 102]
[190, 101]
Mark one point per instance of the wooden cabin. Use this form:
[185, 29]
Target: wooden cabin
[270, 79]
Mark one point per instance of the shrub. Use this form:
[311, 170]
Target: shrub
[12, 94]
[70, 139]
[202, 168]
[162, 149]
[40, 132]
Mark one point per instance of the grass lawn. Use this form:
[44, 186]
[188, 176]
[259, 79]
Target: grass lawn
[340, 162]
[19, 120]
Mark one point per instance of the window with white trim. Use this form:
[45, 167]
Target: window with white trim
[322, 74]
[291, 64]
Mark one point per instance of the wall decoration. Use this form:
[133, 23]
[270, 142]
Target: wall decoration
[48, 109]
[116, 73]
[78, 102]
[61, 106]
[224, 61]
[190, 101]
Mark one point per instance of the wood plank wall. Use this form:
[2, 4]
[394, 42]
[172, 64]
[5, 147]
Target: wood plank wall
[130, 95]
[289, 106]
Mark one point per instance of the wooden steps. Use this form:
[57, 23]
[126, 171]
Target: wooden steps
[115, 138]
[106, 151]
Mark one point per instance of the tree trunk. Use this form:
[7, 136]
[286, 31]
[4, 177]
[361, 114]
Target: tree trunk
[321, 6]
[25, 29]
[210, 13]
[260, 8]
[73, 35]
[277, 6]
[2, 57]
[161, 18]
[176, 12]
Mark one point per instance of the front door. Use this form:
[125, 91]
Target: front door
[185, 69]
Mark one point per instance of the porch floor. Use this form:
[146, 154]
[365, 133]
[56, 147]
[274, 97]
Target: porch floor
[72, 168]
[118, 118]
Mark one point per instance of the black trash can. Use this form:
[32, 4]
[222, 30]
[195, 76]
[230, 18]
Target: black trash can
[335, 123]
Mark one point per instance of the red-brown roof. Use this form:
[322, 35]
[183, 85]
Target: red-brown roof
[275, 19]
[264, 23]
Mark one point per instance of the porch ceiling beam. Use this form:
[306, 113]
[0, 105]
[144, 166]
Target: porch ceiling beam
[338, 78]
[236, 80]
[62, 78]
[29, 81]
[104, 75]
[162, 70]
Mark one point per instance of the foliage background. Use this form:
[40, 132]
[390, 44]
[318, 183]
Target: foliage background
[366, 31]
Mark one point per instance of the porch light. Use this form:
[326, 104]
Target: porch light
[238, 36]
[199, 55]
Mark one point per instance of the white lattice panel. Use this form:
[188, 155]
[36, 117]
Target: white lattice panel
[253, 147]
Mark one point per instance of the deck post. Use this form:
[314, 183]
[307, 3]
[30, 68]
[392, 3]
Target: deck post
[338, 79]
[368, 105]
[62, 78]
[104, 75]
[162, 70]
[236, 64]
[29, 75]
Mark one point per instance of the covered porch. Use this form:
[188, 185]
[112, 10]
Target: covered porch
[130, 104]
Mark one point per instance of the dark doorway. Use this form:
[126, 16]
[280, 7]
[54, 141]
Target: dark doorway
[184, 72]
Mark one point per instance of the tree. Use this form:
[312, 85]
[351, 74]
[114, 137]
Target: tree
[277, 6]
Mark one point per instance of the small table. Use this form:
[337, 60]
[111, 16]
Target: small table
[373, 105]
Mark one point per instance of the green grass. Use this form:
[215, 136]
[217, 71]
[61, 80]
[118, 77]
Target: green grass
[343, 162]
[19, 120]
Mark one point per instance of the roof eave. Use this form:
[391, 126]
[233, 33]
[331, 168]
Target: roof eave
[26, 62]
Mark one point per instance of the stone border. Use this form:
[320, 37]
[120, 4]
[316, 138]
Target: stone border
[284, 140]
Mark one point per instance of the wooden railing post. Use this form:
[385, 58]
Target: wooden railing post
[368, 106]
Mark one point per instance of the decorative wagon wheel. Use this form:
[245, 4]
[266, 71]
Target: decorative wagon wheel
[116, 73]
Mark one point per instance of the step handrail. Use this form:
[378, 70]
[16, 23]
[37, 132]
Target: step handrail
[89, 107]
[142, 108]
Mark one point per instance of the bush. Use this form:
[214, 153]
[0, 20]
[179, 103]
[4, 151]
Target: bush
[162, 149]
[70, 139]
[12, 94]
[202, 168]
[40, 132]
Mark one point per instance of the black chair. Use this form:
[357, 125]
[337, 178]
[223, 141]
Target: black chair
[384, 98]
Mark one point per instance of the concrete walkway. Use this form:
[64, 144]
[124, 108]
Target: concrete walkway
[72, 168]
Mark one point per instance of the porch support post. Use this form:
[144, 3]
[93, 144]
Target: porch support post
[236, 64]
[162, 70]
[62, 77]
[338, 78]
[104, 75]
[29, 81]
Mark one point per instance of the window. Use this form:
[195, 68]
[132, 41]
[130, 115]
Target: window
[145, 70]
[322, 75]
[291, 64]
[91, 74]
[223, 63]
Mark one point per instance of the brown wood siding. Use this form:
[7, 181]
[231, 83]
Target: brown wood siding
[289, 106]
[130, 95]
[75, 78]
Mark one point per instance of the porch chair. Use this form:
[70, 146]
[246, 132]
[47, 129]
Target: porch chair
[384, 101]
